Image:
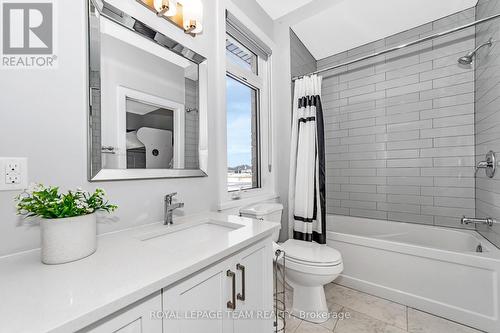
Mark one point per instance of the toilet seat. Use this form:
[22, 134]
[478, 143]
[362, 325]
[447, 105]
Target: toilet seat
[312, 264]
[308, 269]
[311, 254]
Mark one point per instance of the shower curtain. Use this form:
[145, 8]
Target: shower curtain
[307, 190]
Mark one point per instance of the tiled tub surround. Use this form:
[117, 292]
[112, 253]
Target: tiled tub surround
[487, 126]
[433, 269]
[191, 126]
[400, 128]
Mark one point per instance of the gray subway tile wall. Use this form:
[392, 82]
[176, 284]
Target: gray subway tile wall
[400, 128]
[94, 80]
[191, 125]
[302, 61]
[487, 126]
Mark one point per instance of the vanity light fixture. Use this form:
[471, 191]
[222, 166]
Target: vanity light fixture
[186, 14]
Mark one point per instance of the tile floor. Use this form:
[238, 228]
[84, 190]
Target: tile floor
[365, 313]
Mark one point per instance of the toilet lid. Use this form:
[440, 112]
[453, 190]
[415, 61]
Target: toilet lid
[261, 209]
[311, 252]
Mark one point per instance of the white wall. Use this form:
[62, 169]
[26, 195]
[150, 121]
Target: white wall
[256, 14]
[283, 116]
[43, 116]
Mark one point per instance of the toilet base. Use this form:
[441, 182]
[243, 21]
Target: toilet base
[309, 303]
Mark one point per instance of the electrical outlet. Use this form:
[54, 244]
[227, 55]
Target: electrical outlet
[12, 166]
[12, 178]
[13, 173]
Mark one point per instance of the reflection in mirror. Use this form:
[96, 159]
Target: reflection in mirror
[150, 131]
[145, 95]
[145, 101]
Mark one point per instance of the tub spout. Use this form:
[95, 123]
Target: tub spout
[473, 220]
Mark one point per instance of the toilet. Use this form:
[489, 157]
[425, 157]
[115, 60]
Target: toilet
[270, 212]
[309, 266]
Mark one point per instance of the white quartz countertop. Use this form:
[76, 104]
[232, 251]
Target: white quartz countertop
[64, 298]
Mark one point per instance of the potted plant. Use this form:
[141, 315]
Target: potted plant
[67, 220]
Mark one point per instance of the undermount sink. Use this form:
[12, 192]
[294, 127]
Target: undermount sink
[186, 235]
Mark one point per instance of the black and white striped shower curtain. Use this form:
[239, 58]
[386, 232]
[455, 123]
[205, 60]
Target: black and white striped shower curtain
[307, 190]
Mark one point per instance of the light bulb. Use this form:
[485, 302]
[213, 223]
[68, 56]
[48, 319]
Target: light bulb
[161, 5]
[193, 15]
[158, 5]
[172, 8]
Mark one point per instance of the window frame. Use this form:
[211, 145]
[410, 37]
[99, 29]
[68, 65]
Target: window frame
[261, 81]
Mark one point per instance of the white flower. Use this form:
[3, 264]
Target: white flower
[33, 187]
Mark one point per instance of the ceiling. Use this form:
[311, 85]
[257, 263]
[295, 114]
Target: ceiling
[278, 8]
[341, 25]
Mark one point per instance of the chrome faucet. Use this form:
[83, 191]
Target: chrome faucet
[170, 207]
[472, 220]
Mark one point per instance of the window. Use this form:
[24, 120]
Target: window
[243, 89]
[242, 135]
[248, 121]
[240, 55]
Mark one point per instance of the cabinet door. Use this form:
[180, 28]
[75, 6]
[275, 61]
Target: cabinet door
[199, 304]
[136, 318]
[253, 314]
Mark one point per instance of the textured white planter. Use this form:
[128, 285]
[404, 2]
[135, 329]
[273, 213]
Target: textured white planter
[68, 239]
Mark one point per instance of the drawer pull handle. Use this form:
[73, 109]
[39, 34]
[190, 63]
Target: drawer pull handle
[232, 304]
[241, 296]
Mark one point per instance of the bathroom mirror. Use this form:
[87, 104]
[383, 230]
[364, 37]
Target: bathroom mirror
[147, 101]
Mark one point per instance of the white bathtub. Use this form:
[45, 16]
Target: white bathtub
[433, 269]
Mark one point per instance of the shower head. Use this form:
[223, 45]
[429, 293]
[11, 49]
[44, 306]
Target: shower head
[465, 60]
[468, 58]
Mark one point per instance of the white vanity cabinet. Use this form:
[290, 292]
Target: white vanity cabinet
[234, 295]
[205, 301]
[136, 318]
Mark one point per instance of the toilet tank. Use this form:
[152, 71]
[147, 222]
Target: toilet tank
[270, 212]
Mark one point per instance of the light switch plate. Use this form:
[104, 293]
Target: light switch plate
[13, 173]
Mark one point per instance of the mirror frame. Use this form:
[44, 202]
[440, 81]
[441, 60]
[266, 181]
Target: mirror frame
[98, 8]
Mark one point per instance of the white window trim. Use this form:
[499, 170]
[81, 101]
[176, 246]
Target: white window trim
[247, 76]
[267, 191]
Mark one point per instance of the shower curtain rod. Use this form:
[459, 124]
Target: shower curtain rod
[418, 41]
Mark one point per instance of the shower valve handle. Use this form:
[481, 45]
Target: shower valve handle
[489, 165]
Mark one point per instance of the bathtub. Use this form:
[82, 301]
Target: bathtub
[433, 269]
